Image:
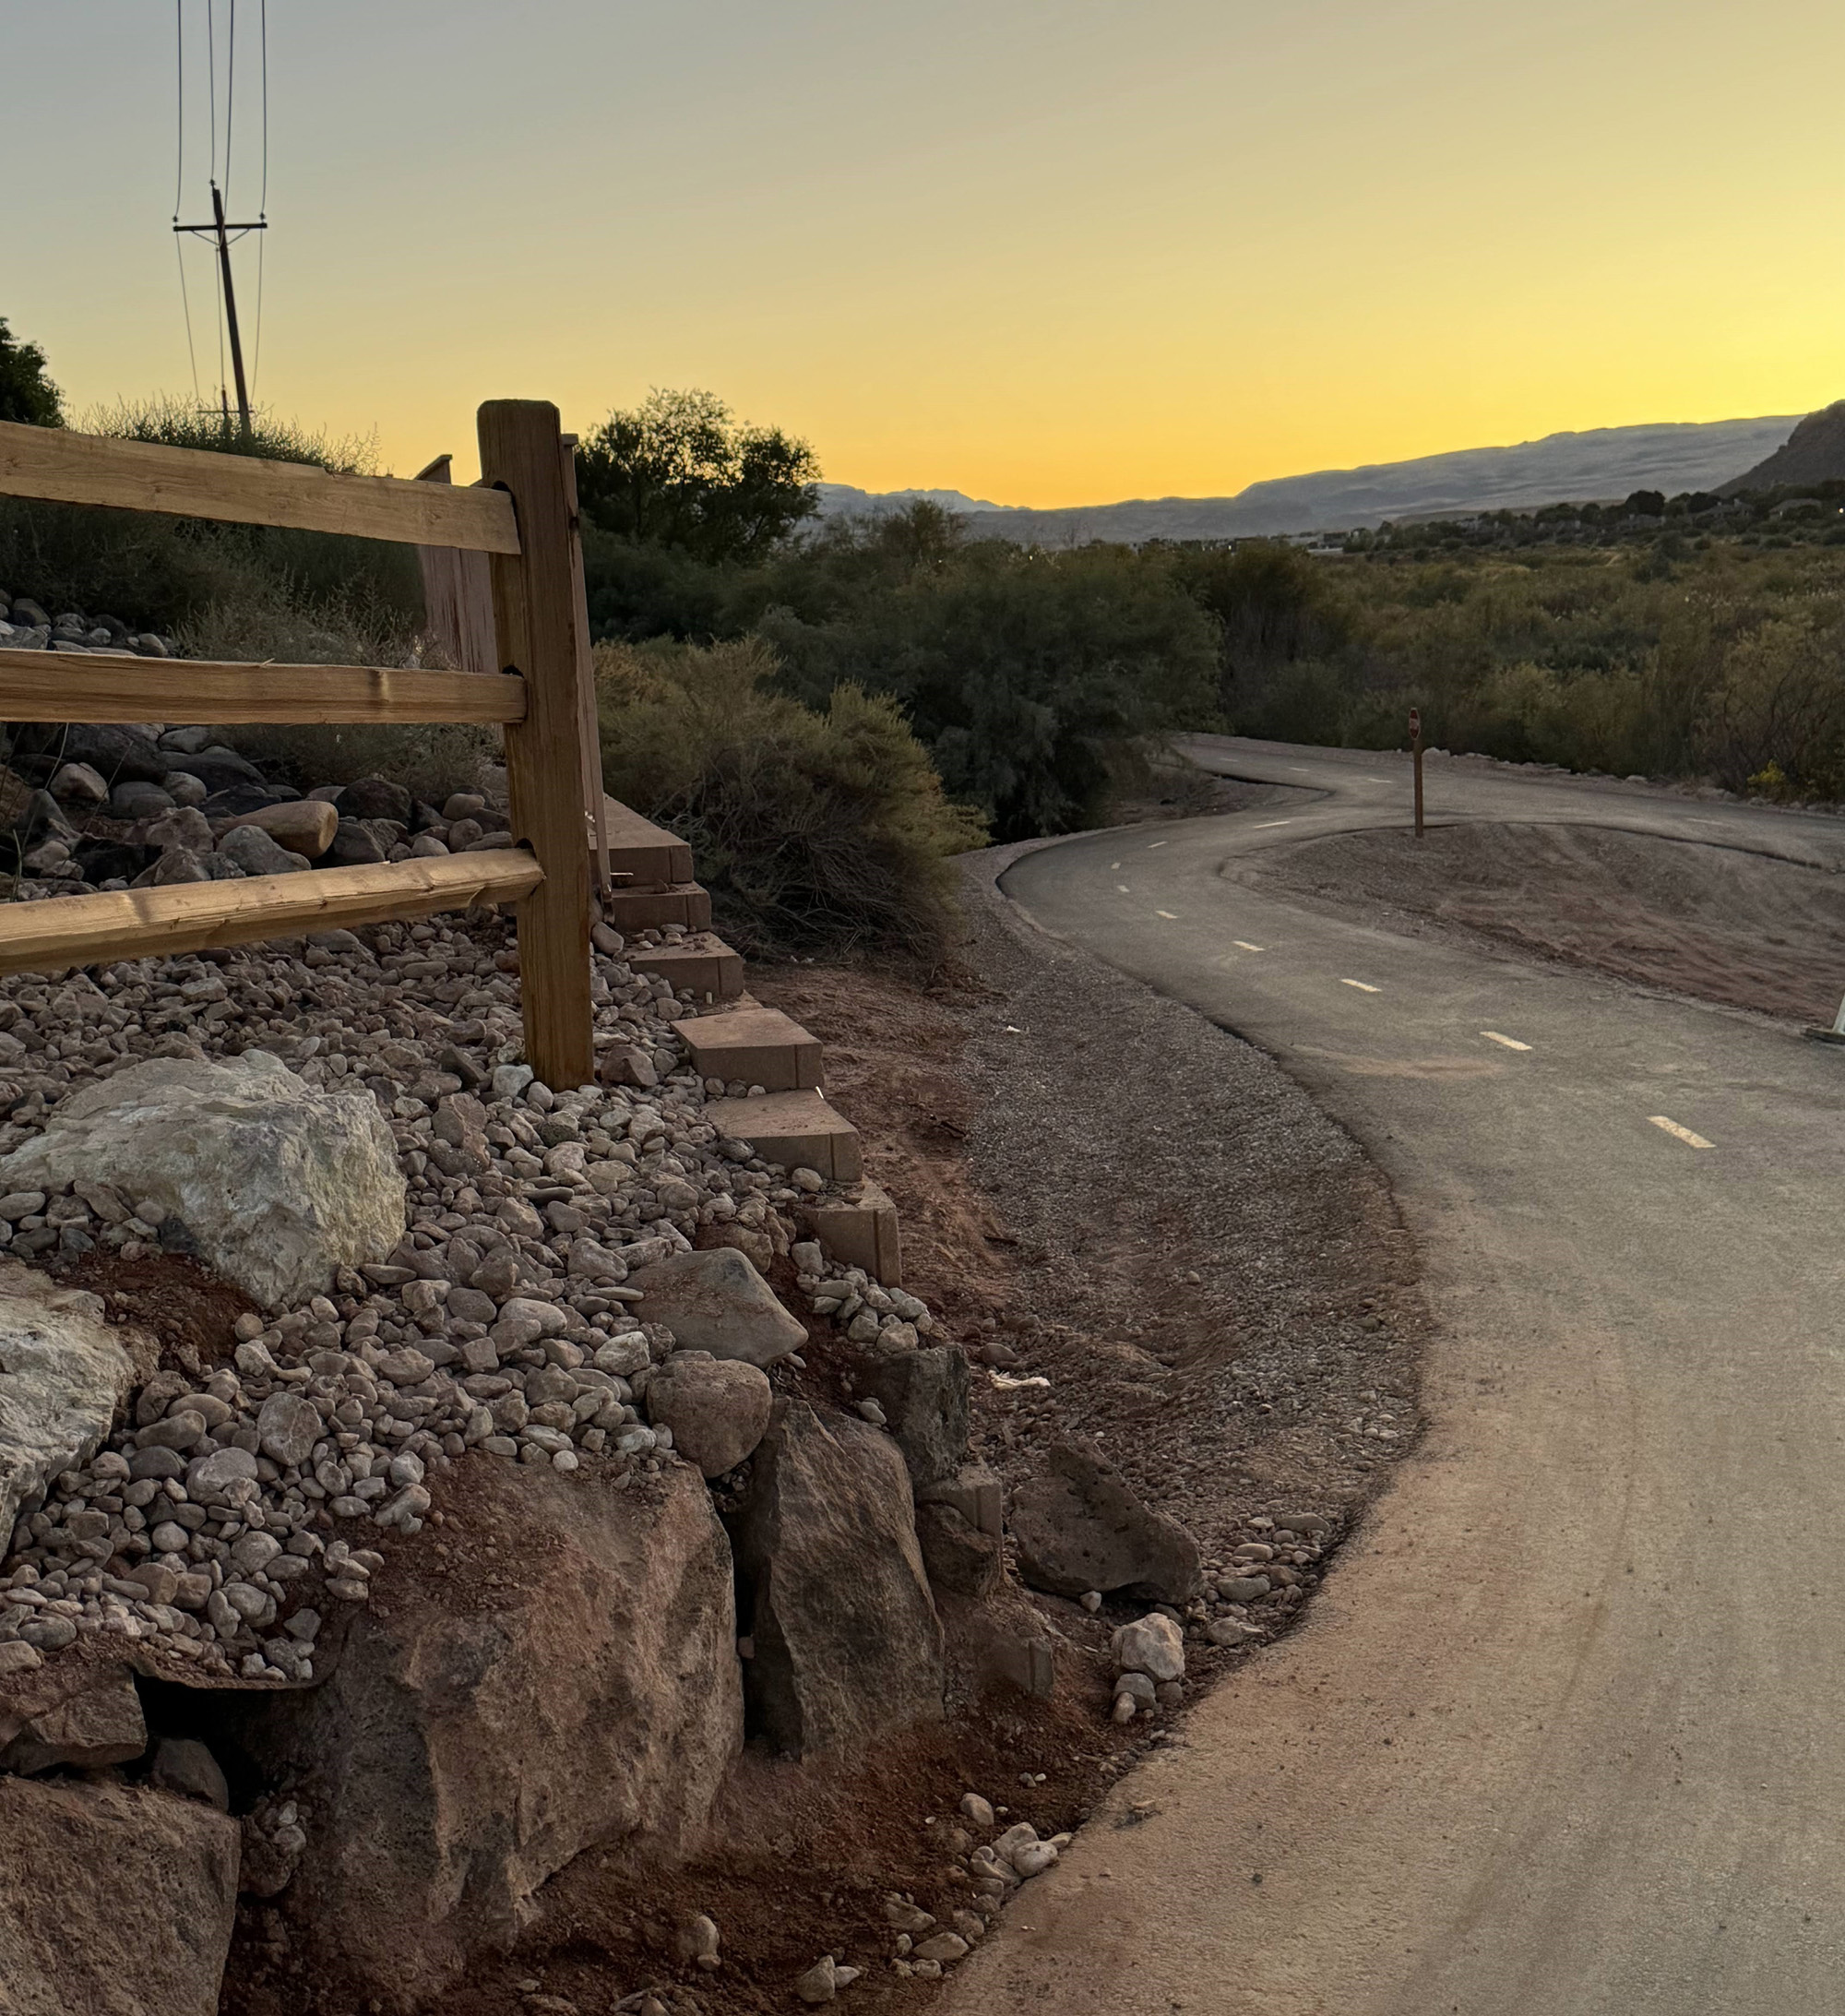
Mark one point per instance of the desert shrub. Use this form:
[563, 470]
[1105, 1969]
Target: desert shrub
[160, 572]
[429, 759]
[1777, 715]
[1025, 674]
[182, 423]
[815, 828]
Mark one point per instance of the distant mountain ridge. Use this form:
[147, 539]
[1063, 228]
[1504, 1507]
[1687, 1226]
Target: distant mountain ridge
[1598, 464]
[845, 500]
[1815, 452]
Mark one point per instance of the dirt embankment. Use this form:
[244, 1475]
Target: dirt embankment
[1714, 922]
[1100, 1189]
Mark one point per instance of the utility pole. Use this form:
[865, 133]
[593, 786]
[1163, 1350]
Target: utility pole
[218, 230]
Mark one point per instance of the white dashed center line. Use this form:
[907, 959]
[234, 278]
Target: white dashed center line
[1680, 1133]
[1172, 916]
[1380, 779]
[1151, 844]
[1363, 986]
[1511, 1043]
[1242, 945]
[1122, 888]
[1262, 824]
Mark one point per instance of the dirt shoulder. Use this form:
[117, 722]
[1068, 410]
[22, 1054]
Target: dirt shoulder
[1100, 1187]
[1713, 923]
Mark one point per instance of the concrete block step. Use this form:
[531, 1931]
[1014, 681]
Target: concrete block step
[761, 1046]
[799, 1129]
[858, 1232]
[646, 853]
[639, 909]
[708, 968]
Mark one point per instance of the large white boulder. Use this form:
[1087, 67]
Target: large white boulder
[278, 1182]
[63, 1372]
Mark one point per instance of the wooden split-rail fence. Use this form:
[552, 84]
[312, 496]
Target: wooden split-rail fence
[522, 516]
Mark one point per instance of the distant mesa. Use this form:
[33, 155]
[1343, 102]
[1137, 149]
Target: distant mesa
[1813, 452]
[1602, 465]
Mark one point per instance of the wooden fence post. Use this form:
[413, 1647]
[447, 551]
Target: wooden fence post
[536, 618]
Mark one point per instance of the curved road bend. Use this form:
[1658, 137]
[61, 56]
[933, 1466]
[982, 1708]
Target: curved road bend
[1564, 1735]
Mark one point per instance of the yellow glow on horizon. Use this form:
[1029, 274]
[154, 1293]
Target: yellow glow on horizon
[1043, 253]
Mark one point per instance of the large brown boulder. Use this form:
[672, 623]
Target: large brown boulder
[476, 1735]
[846, 1641]
[1079, 1527]
[114, 1901]
[96, 1726]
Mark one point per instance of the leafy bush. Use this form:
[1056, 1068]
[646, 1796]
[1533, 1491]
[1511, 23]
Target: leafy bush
[815, 830]
[1027, 675]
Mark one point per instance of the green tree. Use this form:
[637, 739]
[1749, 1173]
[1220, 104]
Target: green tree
[26, 393]
[681, 472]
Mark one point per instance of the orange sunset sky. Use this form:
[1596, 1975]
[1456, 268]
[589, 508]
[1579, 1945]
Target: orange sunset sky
[1043, 253]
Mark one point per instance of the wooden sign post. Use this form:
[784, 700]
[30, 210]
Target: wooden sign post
[1416, 755]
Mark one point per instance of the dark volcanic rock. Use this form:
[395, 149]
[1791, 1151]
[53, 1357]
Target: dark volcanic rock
[376, 798]
[924, 1397]
[847, 1643]
[351, 847]
[1079, 1527]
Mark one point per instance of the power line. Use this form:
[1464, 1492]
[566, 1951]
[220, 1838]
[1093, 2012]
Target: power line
[229, 100]
[179, 64]
[263, 205]
[179, 190]
[211, 77]
[185, 303]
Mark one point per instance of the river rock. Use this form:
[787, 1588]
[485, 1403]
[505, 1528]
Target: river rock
[460, 1753]
[304, 825]
[119, 1901]
[63, 1374]
[1079, 1527]
[1152, 1645]
[256, 853]
[848, 1646]
[278, 1182]
[924, 1397]
[714, 1301]
[716, 1408]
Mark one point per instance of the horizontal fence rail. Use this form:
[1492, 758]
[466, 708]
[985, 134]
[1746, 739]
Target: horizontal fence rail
[60, 466]
[524, 517]
[188, 916]
[99, 686]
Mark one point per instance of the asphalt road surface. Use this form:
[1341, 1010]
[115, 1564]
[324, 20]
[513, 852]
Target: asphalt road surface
[1564, 1734]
